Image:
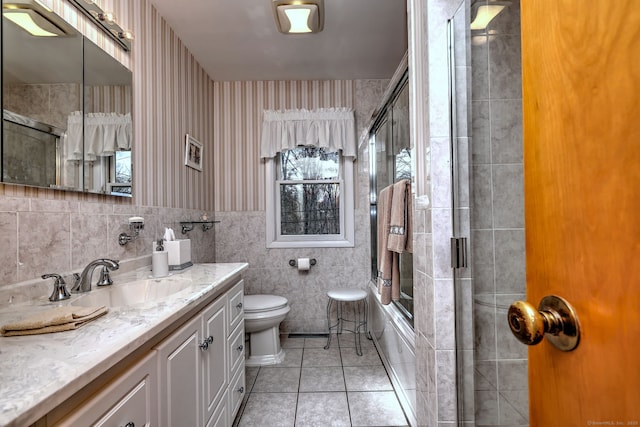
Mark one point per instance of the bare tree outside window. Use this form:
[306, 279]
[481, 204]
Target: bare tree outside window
[403, 165]
[309, 191]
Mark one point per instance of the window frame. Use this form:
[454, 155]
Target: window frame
[346, 238]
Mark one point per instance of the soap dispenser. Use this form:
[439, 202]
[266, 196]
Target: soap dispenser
[160, 260]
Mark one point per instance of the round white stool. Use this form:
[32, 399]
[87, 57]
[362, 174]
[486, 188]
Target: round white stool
[348, 295]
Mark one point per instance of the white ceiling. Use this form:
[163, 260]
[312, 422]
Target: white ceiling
[238, 39]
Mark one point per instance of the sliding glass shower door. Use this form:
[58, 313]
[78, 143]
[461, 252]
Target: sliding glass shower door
[488, 204]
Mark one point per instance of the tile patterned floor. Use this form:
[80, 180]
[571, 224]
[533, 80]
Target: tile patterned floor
[317, 387]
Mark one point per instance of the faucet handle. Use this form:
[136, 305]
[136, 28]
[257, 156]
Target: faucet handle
[105, 279]
[60, 291]
[76, 282]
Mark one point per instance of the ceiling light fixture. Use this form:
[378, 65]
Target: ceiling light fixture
[485, 14]
[35, 18]
[299, 16]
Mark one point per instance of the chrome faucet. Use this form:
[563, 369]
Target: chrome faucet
[83, 280]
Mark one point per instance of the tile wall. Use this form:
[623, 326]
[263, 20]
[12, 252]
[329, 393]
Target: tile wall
[435, 312]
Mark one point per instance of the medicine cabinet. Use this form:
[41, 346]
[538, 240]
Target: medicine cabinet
[66, 108]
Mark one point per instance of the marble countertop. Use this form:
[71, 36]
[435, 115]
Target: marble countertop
[39, 372]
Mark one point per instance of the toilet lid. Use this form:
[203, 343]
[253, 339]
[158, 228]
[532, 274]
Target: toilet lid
[257, 303]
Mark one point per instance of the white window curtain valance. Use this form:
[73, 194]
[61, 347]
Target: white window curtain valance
[331, 128]
[104, 134]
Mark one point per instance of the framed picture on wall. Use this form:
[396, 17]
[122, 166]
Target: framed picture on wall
[193, 153]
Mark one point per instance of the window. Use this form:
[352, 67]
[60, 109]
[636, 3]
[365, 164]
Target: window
[309, 199]
[120, 173]
[309, 159]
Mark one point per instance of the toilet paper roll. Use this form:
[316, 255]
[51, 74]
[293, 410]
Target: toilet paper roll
[304, 264]
[160, 263]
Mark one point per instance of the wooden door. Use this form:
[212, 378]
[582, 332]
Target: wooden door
[581, 91]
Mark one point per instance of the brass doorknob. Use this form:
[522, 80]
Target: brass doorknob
[554, 318]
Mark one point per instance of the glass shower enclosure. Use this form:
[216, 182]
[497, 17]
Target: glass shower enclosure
[488, 204]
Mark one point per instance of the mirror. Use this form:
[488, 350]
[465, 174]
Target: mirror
[107, 128]
[61, 130]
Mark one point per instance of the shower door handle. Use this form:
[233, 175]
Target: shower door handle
[555, 318]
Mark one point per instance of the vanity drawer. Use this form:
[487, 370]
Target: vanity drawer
[236, 305]
[219, 417]
[236, 393]
[129, 400]
[236, 348]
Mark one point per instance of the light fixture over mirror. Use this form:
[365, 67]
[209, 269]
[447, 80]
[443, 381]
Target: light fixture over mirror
[107, 21]
[299, 16]
[35, 18]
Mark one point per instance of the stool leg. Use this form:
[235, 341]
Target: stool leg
[366, 320]
[339, 312]
[326, 347]
[357, 328]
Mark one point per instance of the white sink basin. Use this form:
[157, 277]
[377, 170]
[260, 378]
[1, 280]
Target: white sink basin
[139, 292]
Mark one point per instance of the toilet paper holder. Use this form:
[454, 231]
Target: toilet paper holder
[294, 263]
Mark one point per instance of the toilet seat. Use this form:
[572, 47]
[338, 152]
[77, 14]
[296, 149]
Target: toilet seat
[254, 304]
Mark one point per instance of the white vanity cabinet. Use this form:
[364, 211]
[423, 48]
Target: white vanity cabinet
[130, 400]
[175, 359]
[197, 364]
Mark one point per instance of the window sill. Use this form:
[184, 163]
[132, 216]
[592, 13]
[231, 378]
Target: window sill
[310, 244]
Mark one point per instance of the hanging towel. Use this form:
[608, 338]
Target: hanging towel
[400, 229]
[57, 319]
[385, 257]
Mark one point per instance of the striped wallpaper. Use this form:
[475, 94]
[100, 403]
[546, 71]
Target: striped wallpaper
[173, 96]
[239, 173]
[104, 99]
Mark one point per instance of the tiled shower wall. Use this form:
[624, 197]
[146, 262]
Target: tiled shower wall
[435, 323]
[240, 235]
[497, 371]
[501, 396]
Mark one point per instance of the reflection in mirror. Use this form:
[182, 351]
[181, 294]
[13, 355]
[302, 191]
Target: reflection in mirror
[107, 127]
[41, 87]
[60, 131]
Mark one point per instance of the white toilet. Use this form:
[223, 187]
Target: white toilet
[262, 317]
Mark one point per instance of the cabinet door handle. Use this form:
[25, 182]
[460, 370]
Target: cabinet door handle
[241, 390]
[205, 344]
[240, 348]
[130, 424]
[239, 306]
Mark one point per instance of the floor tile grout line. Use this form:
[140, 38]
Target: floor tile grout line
[342, 366]
[295, 413]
